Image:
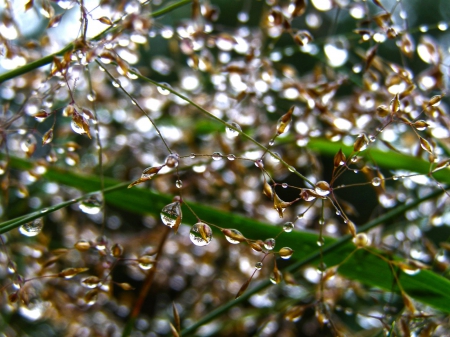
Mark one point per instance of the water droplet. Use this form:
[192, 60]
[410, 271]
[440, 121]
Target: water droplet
[162, 90]
[216, 156]
[201, 234]
[321, 242]
[291, 168]
[376, 181]
[192, 156]
[354, 159]
[77, 127]
[271, 142]
[269, 244]
[172, 160]
[321, 267]
[146, 262]
[322, 188]
[321, 222]
[394, 178]
[338, 213]
[32, 228]
[28, 145]
[372, 138]
[288, 227]
[300, 216]
[361, 143]
[361, 240]
[259, 163]
[234, 236]
[336, 50]
[258, 265]
[116, 83]
[284, 185]
[90, 282]
[231, 157]
[92, 204]
[179, 183]
[91, 96]
[231, 132]
[171, 214]
[286, 253]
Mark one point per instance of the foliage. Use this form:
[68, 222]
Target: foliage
[274, 168]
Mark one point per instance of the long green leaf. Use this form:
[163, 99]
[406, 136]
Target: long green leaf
[368, 268]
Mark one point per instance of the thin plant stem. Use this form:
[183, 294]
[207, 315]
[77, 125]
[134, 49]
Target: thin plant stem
[146, 287]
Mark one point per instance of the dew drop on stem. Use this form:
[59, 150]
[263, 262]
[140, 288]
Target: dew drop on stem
[216, 156]
[233, 236]
[32, 228]
[288, 227]
[258, 265]
[376, 181]
[231, 132]
[172, 160]
[92, 204]
[231, 157]
[286, 253]
[179, 183]
[171, 214]
[200, 234]
[269, 244]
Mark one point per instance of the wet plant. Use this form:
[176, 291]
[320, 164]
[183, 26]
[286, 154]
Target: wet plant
[270, 168]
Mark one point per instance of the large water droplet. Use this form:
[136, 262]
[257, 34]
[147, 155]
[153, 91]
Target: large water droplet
[322, 188]
[216, 156]
[336, 50]
[201, 234]
[172, 160]
[376, 181]
[32, 228]
[92, 204]
[232, 133]
[90, 282]
[171, 213]
[286, 253]
[288, 227]
[233, 236]
[146, 262]
[269, 244]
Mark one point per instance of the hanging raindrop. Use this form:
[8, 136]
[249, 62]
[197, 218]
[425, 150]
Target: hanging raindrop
[231, 132]
[32, 228]
[201, 234]
[92, 204]
[216, 156]
[233, 236]
[376, 181]
[171, 214]
[172, 160]
[288, 227]
[286, 253]
[269, 244]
